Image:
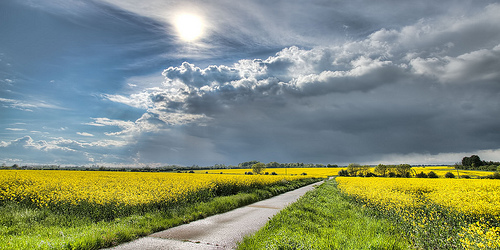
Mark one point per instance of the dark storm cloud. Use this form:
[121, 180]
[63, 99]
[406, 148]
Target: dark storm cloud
[412, 90]
[363, 81]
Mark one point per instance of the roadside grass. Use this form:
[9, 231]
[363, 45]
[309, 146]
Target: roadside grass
[326, 219]
[24, 227]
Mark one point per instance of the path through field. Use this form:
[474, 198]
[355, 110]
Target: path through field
[221, 231]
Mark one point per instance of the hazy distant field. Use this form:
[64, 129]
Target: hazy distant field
[312, 172]
[325, 172]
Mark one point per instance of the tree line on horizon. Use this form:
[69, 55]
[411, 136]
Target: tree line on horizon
[167, 168]
[474, 162]
[401, 170]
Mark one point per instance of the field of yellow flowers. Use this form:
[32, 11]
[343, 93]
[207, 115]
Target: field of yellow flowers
[442, 170]
[55, 209]
[112, 193]
[435, 213]
[311, 172]
[325, 172]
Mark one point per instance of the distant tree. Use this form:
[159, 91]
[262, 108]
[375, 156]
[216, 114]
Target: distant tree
[475, 161]
[257, 168]
[247, 164]
[272, 165]
[381, 170]
[364, 170]
[421, 175]
[472, 162]
[343, 172]
[353, 169]
[431, 174]
[449, 175]
[466, 163]
[404, 170]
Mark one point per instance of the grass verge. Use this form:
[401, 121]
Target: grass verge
[23, 227]
[326, 219]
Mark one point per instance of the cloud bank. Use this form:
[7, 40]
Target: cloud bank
[427, 88]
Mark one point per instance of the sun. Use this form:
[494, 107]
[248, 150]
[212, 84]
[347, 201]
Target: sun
[189, 27]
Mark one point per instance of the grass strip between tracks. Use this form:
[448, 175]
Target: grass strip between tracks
[325, 219]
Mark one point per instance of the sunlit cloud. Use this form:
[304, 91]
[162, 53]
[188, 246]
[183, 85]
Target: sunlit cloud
[15, 129]
[85, 134]
[27, 106]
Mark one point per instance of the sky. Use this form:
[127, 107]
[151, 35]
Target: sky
[132, 83]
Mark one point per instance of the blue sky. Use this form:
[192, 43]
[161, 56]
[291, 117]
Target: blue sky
[114, 82]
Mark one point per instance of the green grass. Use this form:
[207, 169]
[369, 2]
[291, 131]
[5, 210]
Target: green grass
[24, 227]
[326, 219]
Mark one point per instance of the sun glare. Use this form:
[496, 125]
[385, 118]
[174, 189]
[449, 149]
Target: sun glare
[190, 27]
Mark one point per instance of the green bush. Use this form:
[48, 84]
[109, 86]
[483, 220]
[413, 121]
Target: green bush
[496, 175]
[449, 175]
[421, 175]
[343, 172]
[431, 174]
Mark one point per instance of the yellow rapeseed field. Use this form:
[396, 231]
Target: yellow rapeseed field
[311, 172]
[325, 172]
[442, 170]
[472, 204]
[48, 188]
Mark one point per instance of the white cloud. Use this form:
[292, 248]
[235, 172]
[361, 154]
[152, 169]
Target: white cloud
[434, 159]
[479, 65]
[85, 134]
[28, 106]
[63, 151]
[100, 122]
[15, 129]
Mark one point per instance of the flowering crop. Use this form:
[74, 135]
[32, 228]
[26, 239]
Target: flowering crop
[447, 213]
[442, 170]
[311, 172]
[99, 191]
